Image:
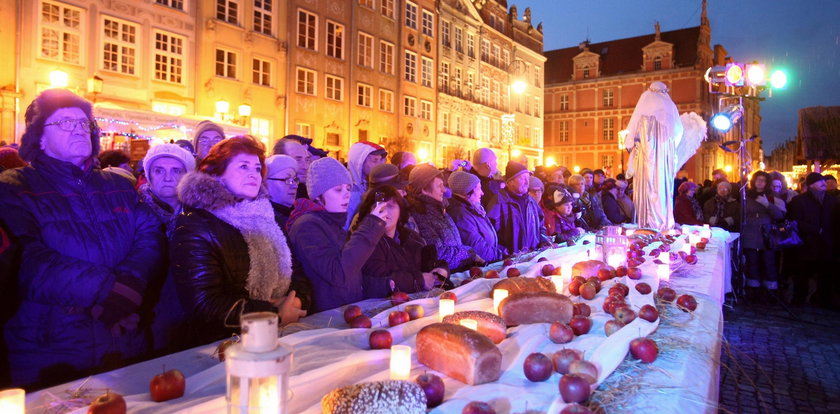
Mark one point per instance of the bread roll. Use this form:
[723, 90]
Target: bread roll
[489, 324]
[587, 268]
[535, 307]
[525, 284]
[380, 397]
[459, 352]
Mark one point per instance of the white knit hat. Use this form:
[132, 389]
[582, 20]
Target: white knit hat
[169, 150]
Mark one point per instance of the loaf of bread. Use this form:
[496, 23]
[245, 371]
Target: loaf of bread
[459, 352]
[525, 284]
[535, 307]
[588, 268]
[380, 397]
[489, 324]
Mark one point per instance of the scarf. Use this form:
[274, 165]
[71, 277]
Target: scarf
[166, 217]
[698, 211]
[720, 206]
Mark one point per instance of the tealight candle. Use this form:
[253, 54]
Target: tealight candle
[12, 401]
[470, 323]
[665, 257]
[693, 239]
[558, 283]
[686, 247]
[663, 271]
[629, 232]
[566, 272]
[446, 308]
[400, 362]
[498, 296]
[615, 259]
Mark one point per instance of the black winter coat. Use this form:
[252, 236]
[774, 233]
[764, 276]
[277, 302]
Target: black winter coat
[612, 210]
[399, 260]
[817, 222]
[519, 229]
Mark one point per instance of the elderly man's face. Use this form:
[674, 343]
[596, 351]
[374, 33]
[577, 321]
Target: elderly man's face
[164, 175]
[301, 155]
[206, 141]
[66, 136]
[723, 190]
[519, 185]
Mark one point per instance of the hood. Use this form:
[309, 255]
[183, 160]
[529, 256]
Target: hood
[204, 191]
[355, 160]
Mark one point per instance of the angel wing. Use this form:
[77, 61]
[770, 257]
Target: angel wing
[694, 132]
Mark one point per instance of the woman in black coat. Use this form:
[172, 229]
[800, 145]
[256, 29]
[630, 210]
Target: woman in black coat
[609, 194]
[228, 254]
[762, 208]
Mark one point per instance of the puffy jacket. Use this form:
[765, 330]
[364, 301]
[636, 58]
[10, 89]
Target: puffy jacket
[476, 229]
[612, 209]
[817, 223]
[519, 229]
[78, 230]
[399, 260]
[436, 227]
[563, 229]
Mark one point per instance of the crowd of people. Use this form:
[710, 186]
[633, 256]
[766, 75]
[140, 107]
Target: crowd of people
[104, 264]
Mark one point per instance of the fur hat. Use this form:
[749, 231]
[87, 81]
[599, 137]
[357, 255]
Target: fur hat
[172, 151]
[422, 175]
[323, 174]
[515, 169]
[40, 109]
[462, 182]
[203, 127]
[812, 178]
[277, 163]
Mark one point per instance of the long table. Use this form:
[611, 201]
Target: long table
[328, 354]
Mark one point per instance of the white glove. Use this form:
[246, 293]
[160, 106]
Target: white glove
[578, 215]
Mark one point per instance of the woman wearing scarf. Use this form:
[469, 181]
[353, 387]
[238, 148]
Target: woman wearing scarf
[469, 216]
[722, 209]
[686, 208]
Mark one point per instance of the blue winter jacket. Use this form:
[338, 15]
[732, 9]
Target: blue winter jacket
[476, 229]
[76, 230]
[519, 229]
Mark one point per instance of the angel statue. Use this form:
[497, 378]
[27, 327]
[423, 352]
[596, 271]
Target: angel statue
[660, 141]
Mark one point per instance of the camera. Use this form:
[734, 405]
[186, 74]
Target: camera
[380, 197]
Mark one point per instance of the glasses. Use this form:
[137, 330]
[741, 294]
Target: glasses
[69, 125]
[289, 181]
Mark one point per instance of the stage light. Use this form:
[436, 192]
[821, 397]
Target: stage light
[734, 74]
[756, 74]
[724, 120]
[778, 79]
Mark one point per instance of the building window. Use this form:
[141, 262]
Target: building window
[444, 122]
[409, 106]
[564, 102]
[444, 77]
[458, 124]
[169, 57]
[563, 131]
[411, 15]
[505, 59]
[607, 161]
[608, 98]
[225, 64]
[537, 106]
[496, 58]
[485, 90]
[426, 110]
[61, 32]
[261, 128]
[537, 77]
[485, 51]
[410, 66]
[119, 46]
[386, 100]
[262, 16]
[471, 45]
[657, 63]
[427, 72]
[459, 39]
[608, 127]
[386, 7]
[307, 30]
[444, 33]
[262, 72]
[334, 88]
[386, 57]
[303, 129]
[468, 128]
[364, 95]
[363, 135]
[333, 139]
[428, 23]
[175, 4]
[366, 3]
[305, 81]
[335, 40]
[484, 128]
[495, 94]
[227, 10]
[364, 56]
[586, 72]
[456, 78]
[169, 108]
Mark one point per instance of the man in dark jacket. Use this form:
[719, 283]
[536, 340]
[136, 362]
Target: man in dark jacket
[517, 218]
[87, 248]
[485, 166]
[816, 215]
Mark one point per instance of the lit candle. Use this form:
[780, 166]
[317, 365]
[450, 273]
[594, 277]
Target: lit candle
[693, 239]
[446, 308]
[707, 231]
[558, 283]
[629, 232]
[665, 258]
[12, 401]
[400, 362]
[566, 272]
[615, 259]
[498, 296]
[663, 271]
[686, 247]
[470, 323]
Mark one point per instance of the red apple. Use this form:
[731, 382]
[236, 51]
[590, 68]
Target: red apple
[548, 270]
[491, 274]
[575, 408]
[398, 317]
[564, 357]
[585, 369]
[704, 240]
[449, 295]
[615, 290]
[398, 298]
[643, 288]
[537, 367]
[621, 271]
[644, 349]
[513, 272]
[625, 315]
[606, 273]
[478, 407]
[611, 302]
[360, 321]
[574, 388]
[108, 403]
[560, 333]
[617, 306]
[167, 386]
[351, 312]
[476, 271]
[634, 273]
[579, 278]
[414, 311]
[588, 291]
[542, 259]
[649, 313]
[667, 294]
[632, 264]
[701, 245]
[380, 339]
[581, 309]
[612, 326]
[507, 262]
[691, 259]
[623, 288]
[433, 387]
[654, 252]
[580, 325]
[595, 281]
[687, 303]
[574, 287]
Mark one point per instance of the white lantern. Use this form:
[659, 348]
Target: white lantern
[258, 368]
[12, 401]
[613, 246]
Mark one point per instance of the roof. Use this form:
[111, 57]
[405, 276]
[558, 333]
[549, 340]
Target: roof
[819, 132]
[622, 56]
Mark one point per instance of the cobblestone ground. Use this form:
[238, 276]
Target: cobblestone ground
[780, 362]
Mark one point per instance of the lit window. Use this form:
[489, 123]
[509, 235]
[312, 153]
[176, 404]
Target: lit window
[305, 81]
[261, 72]
[564, 131]
[334, 88]
[426, 110]
[307, 30]
[427, 72]
[262, 16]
[303, 129]
[61, 32]
[365, 51]
[119, 46]
[608, 98]
[608, 129]
[261, 128]
[335, 40]
[364, 95]
[386, 100]
[169, 57]
[409, 106]
[227, 11]
[225, 64]
[386, 57]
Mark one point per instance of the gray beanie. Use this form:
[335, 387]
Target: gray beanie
[462, 182]
[323, 174]
[277, 163]
[535, 183]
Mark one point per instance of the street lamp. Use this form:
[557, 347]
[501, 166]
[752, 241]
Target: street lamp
[59, 79]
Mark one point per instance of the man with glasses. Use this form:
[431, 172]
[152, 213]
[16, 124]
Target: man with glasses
[206, 135]
[282, 182]
[87, 249]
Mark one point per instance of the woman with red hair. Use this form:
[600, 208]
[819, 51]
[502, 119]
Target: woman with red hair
[686, 208]
[228, 254]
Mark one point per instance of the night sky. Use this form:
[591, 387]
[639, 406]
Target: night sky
[801, 36]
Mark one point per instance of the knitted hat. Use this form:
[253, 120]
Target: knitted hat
[515, 169]
[422, 175]
[686, 187]
[535, 183]
[203, 127]
[9, 158]
[40, 109]
[170, 150]
[386, 174]
[813, 177]
[323, 174]
[462, 182]
[562, 196]
[277, 163]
